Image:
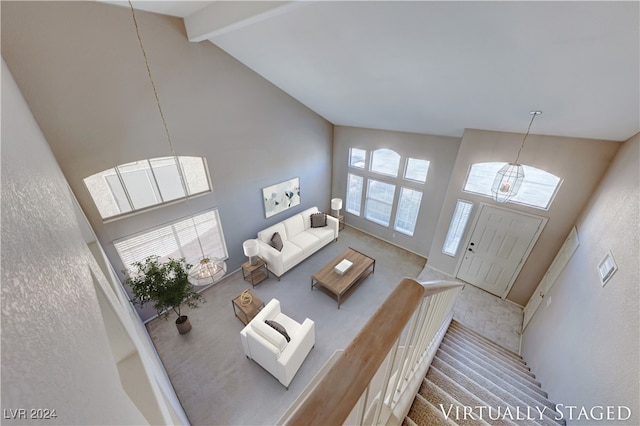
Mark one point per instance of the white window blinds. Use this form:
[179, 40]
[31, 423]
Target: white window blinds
[176, 240]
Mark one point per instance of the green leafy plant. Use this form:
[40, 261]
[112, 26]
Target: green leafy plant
[165, 284]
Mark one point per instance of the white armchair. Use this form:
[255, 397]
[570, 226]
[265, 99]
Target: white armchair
[270, 349]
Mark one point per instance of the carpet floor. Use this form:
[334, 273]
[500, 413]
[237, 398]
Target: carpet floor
[474, 381]
[218, 385]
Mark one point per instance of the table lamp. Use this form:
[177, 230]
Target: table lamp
[250, 248]
[336, 205]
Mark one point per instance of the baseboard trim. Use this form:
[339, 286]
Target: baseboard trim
[387, 241]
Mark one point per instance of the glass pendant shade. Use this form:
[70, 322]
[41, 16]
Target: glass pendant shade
[207, 271]
[507, 182]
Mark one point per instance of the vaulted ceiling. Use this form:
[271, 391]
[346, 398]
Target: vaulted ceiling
[439, 67]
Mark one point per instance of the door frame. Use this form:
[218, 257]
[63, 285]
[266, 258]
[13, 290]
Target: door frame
[534, 240]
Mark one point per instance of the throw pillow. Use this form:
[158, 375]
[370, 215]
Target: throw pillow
[276, 241]
[279, 328]
[318, 220]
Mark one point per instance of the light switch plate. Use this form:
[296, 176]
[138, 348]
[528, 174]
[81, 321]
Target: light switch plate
[606, 268]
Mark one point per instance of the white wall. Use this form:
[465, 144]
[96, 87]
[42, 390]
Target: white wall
[80, 68]
[439, 150]
[581, 163]
[55, 351]
[584, 346]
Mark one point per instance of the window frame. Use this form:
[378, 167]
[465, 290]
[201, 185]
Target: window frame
[406, 169]
[348, 194]
[368, 198]
[364, 164]
[382, 173]
[175, 232]
[459, 230]
[528, 171]
[100, 185]
[398, 211]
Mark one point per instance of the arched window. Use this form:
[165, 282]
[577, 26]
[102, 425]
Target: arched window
[537, 190]
[385, 161]
[134, 186]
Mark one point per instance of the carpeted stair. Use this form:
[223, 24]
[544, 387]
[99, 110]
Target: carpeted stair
[474, 381]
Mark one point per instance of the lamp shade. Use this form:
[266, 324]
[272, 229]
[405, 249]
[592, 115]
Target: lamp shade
[507, 182]
[336, 203]
[250, 248]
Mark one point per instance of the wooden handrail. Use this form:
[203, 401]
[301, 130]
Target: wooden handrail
[339, 390]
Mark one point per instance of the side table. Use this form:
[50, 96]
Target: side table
[246, 312]
[340, 222]
[255, 274]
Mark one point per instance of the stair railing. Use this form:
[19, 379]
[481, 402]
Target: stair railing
[374, 380]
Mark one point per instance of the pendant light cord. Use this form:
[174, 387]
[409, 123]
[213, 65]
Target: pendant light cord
[533, 117]
[164, 122]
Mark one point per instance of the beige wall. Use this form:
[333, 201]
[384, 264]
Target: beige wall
[580, 163]
[584, 345]
[439, 150]
[80, 68]
[55, 350]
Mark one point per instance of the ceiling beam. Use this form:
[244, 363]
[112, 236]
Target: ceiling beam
[221, 17]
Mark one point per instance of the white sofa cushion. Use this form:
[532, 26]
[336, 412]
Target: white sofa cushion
[270, 334]
[291, 254]
[266, 234]
[306, 216]
[308, 242]
[294, 225]
[324, 235]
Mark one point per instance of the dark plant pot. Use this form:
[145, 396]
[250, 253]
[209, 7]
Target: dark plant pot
[183, 324]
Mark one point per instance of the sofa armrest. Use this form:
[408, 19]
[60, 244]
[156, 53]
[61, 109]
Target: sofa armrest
[296, 352]
[334, 224]
[272, 257]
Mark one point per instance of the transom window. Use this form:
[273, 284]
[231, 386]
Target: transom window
[537, 190]
[385, 161]
[134, 186]
[357, 157]
[416, 170]
[177, 239]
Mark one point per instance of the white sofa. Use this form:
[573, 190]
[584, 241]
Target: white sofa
[270, 349]
[299, 240]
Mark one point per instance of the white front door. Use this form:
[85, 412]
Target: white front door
[499, 245]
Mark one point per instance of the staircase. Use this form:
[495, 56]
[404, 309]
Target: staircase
[474, 381]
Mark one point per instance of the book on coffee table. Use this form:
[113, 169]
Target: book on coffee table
[343, 266]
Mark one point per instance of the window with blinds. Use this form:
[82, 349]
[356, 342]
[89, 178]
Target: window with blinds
[456, 228]
[176, 240]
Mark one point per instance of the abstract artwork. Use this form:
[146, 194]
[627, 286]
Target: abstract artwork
[281, 196]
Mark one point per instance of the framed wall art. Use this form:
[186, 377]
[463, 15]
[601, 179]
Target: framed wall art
[281, 196]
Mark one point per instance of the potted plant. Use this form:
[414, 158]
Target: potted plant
[167, 285]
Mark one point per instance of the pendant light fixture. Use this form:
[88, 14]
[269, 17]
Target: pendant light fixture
[509, 178]
[208, 270]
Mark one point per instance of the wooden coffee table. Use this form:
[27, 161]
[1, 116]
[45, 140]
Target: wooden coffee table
[339, 285]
